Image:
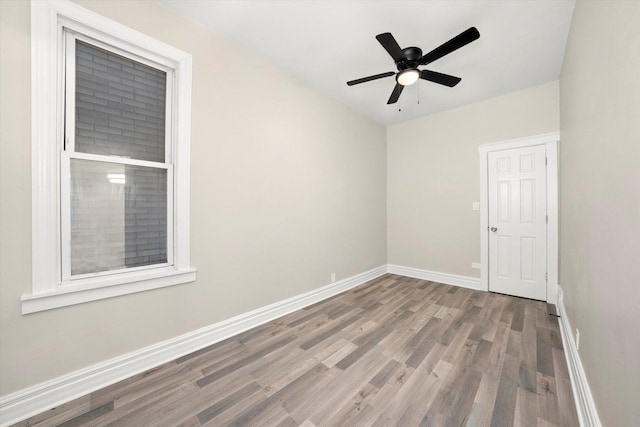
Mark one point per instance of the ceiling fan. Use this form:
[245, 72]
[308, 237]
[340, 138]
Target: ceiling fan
[409, 59]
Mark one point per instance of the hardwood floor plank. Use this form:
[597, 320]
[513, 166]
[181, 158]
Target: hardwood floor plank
[265, 408]
[175, 405]
[543, 350]
[413, 402]
[514, 344]
[545, 423]
[356, 411]
[456, 345]
[226, 417]
[327, 332]
[528, 354]
[366, 345]
[459, 387]
[395, 351]
[566, 403]
[274, 416]
[59, 414]
[517, 321]
[526, 414]
[303, 319]
[434, 357]
[151, 388]
[286, 377]
[393, 386]
[479, 416]
[87, 417]
[338, 355]
[381, 378]
[147, 404]
[459, 407]
[480, 360]
[219, 407]
[556, 339]
[495, 309]
[420, 351]
[504, 407]
[192, 421]
[288, 422]
[344, 386]
[212, 375]
[508, 312]
[547, 399]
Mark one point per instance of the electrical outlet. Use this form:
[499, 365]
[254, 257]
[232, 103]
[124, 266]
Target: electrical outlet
[333, 277]
[475, 265]
[577, 339]
[475, 206]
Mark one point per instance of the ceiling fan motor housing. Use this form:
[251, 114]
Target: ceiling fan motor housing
[413, 55]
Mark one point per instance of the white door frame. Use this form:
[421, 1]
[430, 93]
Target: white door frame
[550, 141]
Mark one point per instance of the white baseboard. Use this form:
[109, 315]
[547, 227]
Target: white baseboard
[585, 406]
[434, 276]
[42, 397]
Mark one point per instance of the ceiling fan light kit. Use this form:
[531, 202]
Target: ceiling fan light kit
[408, 60]
[408, 77]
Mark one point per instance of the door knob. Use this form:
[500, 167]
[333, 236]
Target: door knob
[494, 229]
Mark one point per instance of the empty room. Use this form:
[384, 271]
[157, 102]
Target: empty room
[319, 213]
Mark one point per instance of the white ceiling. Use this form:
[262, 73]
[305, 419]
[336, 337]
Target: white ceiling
[328, 42]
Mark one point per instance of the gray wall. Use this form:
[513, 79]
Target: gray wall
[600, 200]
[433, 176]
[287, 187]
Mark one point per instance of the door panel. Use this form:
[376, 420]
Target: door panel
[504, 257]
[517, 222]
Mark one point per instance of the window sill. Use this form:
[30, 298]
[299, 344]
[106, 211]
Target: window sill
[138, 282]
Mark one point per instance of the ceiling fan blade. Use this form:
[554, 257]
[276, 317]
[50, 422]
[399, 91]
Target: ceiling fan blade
[455, 43]
[395, 94]
[391, 45]
[443, 79]
[368, 79]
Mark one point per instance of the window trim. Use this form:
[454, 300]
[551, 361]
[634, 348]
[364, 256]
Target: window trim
[47, 106]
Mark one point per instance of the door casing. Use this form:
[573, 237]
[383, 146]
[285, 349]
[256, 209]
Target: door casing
[550, 141]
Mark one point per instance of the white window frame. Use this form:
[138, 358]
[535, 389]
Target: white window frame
[70, 35]
[49, 290]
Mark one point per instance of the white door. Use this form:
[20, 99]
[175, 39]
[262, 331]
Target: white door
[518, 222]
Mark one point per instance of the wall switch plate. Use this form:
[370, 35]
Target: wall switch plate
[475, 265]
[476, 206]
[333, 277]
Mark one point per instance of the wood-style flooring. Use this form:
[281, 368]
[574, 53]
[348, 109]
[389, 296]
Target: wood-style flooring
[393, 352]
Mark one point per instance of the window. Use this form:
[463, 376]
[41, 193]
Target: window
[110, 129]
[118, 156]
